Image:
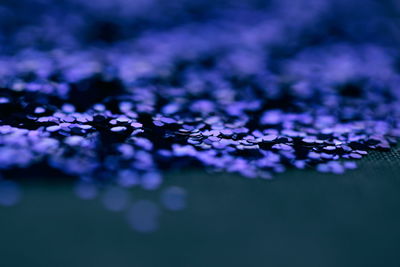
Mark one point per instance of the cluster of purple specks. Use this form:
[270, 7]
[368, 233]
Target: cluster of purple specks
[251, 95]
[95, 120]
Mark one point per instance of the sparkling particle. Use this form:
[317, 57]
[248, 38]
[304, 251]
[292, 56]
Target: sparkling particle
[39, 110]
[85, 190]
[53, 128]
[350, 165]
[115, 198]
[174, 198]
[4, 100]
[10, 193]
[118, 129]
[143, 216]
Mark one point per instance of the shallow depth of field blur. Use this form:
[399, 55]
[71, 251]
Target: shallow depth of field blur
[313, 55]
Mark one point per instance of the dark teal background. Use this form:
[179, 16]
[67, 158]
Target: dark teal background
[302, 218]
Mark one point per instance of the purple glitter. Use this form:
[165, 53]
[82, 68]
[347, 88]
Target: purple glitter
[116, 104]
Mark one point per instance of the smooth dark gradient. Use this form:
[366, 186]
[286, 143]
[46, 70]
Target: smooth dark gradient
[302, 218]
